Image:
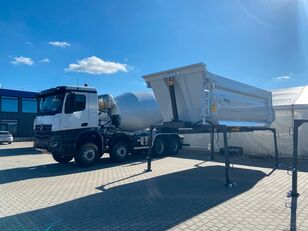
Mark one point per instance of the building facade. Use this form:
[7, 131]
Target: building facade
[17, 111]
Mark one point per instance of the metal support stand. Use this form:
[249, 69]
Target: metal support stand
[206, 129]
[294, 193]
[297, 124]
[228, 184]
[276, 149]
[212, 144]
[293, 214]
[149, 163]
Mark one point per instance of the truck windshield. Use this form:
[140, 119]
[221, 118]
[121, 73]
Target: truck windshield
[51, 104]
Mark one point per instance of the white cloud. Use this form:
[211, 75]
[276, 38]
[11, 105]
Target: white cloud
[22, 60]
[96, 66]
[282, 77]
[59, 44]
[45, 60]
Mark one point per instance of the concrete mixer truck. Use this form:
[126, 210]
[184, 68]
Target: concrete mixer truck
[74, 122]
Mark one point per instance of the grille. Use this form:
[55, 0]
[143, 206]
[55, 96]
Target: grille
[42, 128]
[42, 131]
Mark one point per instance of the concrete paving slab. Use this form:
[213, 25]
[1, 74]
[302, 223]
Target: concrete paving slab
[184, 192]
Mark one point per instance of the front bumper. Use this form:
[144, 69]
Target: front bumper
[54, 143]
[51, 145]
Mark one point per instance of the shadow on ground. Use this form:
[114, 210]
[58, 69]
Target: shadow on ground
[56, 169]
[155, 204]
[19, 151]
[248, 160]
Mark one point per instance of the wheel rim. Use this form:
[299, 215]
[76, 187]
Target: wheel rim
[88, 154]
[159, 148]
[121, 151]
[174, 146]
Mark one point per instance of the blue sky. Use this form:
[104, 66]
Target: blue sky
[111, 44]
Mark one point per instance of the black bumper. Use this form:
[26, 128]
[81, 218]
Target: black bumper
[54, 143]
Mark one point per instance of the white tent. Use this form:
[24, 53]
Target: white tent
[289, 104]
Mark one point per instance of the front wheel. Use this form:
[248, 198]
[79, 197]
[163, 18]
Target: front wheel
[119, 151]
[61, 159]
[87, 155]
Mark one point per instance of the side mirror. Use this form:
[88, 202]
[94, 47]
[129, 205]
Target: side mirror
[70, 103]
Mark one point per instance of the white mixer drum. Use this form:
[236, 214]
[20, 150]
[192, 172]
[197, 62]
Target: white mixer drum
[137, 111]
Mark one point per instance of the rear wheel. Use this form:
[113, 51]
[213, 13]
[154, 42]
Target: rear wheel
[10, 142]
[173, 147]
[159, 147]
[87, 155]
[61, 159]
[119, 151]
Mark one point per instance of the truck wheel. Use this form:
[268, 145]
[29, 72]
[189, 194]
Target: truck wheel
[61, 159]
[119, 151]
[173, 147]
[159, 147]
[87, 155]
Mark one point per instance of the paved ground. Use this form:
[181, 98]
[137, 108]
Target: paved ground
[185, 192]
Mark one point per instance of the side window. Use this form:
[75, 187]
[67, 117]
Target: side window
[75, 102]
[80, 102]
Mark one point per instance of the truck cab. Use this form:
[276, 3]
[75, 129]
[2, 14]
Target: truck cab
[67, 121]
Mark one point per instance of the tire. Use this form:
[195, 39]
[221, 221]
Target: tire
[10, 142]
[119, 151]
[87, 155]
[159, 147]
[173, 147]
[61, 159]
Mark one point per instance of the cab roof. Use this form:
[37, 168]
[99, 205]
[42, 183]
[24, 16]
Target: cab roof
[63, 89]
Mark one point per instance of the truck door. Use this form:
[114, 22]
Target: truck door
[75, 114]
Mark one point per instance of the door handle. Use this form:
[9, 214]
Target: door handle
[84, 124]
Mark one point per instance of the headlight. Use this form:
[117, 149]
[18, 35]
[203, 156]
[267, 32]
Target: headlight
[54, 144]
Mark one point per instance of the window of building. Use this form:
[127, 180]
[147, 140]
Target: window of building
[9, 125]
[9, 104]
[4, 127]
[29, 105]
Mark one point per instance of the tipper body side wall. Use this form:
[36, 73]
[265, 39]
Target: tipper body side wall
[201, 94]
